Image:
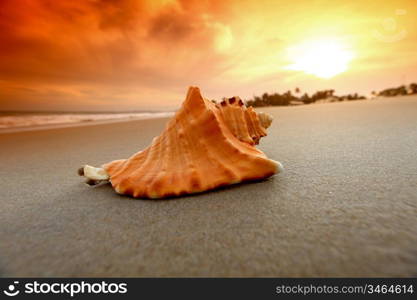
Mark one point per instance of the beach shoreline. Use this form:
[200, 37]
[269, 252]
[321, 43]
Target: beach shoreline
[165, 115]
[79, 124]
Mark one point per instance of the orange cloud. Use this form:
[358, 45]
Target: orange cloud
[104, 54]
[121, 43]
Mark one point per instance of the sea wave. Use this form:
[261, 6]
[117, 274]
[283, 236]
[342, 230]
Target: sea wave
[34, 120]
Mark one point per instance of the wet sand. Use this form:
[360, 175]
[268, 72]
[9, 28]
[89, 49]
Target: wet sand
[346, 204]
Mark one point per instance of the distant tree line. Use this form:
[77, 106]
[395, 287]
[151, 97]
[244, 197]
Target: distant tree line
[402, 90]
[290, 98]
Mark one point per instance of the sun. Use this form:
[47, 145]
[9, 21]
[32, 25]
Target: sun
[324, 58]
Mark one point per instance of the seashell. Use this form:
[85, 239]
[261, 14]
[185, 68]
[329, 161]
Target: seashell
[206, 145]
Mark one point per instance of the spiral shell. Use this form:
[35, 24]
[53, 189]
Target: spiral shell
[204, 146]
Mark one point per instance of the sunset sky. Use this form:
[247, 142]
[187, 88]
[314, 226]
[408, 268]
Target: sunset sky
[123, 55]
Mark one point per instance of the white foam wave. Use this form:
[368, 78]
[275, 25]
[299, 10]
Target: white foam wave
[33, 120]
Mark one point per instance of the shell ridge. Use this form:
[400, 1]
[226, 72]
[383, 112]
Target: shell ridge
[193, 140]
[256, 125]
[126, 165]
[154, 166]
[251, 126]
[152, 187]
[244, 131]
[225, 156]
[259, 129]
[186, 160]
[149, 154]
[234, 115]
[182, 153]
[231, 122]
[221, 160]
[235, 146]
[213, 161]
[136, 162]
[248, 155]
[176, 161]
[187, 157]
[208, 118]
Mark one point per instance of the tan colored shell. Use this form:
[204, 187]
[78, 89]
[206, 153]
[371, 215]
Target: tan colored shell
[204, 146]
[243, 122]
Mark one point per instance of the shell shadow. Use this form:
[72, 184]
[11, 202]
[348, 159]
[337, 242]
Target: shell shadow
[218, 190]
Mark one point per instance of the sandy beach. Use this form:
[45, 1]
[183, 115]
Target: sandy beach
[345, 206]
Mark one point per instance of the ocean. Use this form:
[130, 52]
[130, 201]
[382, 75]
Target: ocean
[29, 120]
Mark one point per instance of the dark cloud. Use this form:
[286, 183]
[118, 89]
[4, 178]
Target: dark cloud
[170, 26]
[121, 52]
[101, 40]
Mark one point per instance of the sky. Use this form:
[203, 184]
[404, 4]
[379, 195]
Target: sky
[104, 55]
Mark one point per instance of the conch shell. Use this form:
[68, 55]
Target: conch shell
[204, 146]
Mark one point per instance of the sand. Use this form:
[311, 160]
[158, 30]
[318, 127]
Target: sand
[345, 206]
